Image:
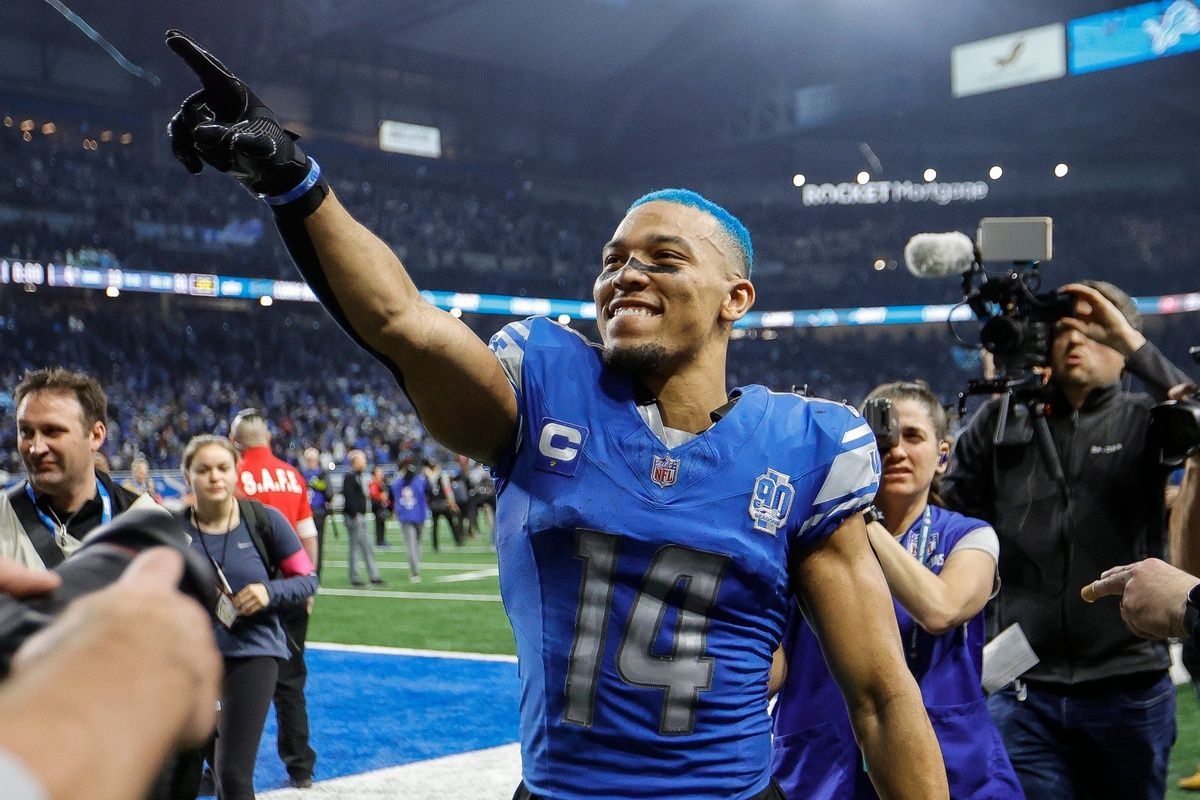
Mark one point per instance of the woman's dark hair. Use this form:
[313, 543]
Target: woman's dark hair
[919, 392]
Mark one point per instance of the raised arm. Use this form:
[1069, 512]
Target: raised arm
[846, 600]
[938, 602]
[455, 384]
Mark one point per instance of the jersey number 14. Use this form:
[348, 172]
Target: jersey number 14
[686, 671]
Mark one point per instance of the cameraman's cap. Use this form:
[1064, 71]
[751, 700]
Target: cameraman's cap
[1117, 296]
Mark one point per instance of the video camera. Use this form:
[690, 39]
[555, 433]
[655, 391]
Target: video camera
[1175, 426]
[880, 416]
[1017, 320]
[104, 555]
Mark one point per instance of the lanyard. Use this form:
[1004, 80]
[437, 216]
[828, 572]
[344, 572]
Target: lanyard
[224, 542]
[217, 567]
[922, 545]
[59, 529]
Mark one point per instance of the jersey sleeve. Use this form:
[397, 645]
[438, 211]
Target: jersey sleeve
[508, 345]
[846, 477]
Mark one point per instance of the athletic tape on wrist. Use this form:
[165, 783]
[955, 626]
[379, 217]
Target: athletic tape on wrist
[310, 180]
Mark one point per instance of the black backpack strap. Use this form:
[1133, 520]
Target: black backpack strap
[259, 525]
[39, 535]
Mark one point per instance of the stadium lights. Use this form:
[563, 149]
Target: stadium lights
[879, 265]
[27, 125]
[1060, 170]
[863, 177]
[27, 136]
[49, 128]
[8, 122]
[930, 175]
[266, 301]
[456, 312]
[106, 136]
[798, 180]
[995, 172]
[112, 291]
[126, 138]
[564, 319]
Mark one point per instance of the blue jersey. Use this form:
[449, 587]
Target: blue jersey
[408, 499]
[647, 586]
[816, 755]
[316, 500]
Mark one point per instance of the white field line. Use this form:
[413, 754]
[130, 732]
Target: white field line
[463, 577]
[397, 542]
[386, 595]
[435, 565]
[410, 651]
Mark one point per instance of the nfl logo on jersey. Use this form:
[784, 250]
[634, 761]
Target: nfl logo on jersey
[664, 471]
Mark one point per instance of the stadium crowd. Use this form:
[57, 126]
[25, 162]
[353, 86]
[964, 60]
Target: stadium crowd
[184, 368]
[178, 369]
[499, 231]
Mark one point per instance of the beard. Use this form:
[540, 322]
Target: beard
[640, 359]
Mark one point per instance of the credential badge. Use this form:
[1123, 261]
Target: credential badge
[664, 471]
[771, 501]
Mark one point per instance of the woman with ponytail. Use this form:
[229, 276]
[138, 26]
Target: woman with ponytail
[941, 569]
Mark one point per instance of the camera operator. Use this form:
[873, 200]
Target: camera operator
[99, 699]
[1080, 490]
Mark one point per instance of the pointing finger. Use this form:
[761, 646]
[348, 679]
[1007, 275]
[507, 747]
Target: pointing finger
[225, 93]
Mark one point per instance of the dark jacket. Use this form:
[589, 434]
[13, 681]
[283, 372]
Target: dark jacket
[1057, 535]
[353, 494]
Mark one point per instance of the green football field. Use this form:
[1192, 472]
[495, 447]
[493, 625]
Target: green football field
[456, 606]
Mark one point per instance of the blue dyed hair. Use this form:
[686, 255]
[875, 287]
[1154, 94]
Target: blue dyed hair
[731, 224]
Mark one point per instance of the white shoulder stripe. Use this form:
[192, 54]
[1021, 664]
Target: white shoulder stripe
[510, 356]
[849, 505]
[850, 473]
[521, 328]
[857, 433]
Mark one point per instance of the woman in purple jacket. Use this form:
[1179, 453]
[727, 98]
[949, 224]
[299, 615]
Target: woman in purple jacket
[941, 568]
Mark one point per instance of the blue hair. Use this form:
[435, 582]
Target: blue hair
[686, 197]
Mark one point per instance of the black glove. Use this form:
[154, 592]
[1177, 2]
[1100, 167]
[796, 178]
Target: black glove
[226, 125]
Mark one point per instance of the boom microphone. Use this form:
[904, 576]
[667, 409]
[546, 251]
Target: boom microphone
[939, 255]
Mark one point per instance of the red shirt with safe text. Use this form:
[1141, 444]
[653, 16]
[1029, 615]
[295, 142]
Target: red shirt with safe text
[274, 482]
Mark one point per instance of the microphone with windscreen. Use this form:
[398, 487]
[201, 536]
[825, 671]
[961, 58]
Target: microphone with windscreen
[939, 255]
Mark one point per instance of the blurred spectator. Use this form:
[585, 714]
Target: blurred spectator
[442, 504]
[320, 496]
[140, 482]
[356, 490]
[381, 504]
[411, 506]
